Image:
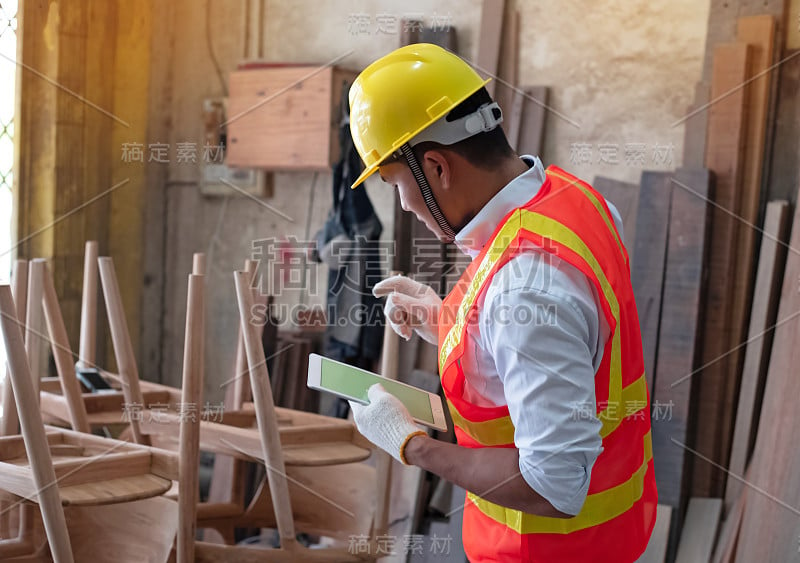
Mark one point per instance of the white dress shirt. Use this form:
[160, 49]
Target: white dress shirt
[536, 347]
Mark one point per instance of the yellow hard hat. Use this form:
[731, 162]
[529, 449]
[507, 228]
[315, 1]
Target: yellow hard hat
[403, 93]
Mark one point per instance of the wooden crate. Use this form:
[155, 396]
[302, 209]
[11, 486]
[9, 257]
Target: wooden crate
[285, 117]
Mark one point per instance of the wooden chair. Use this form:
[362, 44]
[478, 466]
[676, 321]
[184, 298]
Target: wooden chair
[55, 468]
[89, 411]
[305, 491]
[15, 541]
[308, 439]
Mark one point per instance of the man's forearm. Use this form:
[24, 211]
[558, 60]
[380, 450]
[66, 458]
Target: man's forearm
[491, 473]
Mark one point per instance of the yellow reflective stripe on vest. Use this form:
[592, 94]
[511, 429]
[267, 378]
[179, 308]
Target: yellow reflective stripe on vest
[598, 508]
[560, 234]
[500, 431]
[494, 432]
[633, 400]
[596, 202]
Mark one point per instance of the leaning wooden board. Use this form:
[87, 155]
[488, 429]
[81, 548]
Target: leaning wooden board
[648, 256]
[771, 261]
[771, 520]
[680, 331]
[625, 197]
[726, 132]
[699, 530]
[758, 32]
[533, 120]
[489, 36]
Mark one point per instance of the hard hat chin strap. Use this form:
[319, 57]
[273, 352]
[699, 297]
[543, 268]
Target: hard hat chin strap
[427, 193]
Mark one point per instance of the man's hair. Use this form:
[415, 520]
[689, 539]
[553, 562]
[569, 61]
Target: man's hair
[484, 150]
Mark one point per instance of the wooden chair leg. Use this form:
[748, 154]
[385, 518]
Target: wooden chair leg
[121, 340]
[265, 414]
[36, 445]
[34, 321]
[227, 480]
[87, 351]
[383, 465]
[9, 424]
[193, 366]
[63, 355]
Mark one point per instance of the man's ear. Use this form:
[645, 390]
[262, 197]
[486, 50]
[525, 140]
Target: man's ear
[438, 169]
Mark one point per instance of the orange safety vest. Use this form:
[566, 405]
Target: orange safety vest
[569, 218]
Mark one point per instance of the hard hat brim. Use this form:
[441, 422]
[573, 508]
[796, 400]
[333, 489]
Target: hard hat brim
[370, 170]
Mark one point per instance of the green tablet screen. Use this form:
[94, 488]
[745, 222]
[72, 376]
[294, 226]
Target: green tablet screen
[355, 383]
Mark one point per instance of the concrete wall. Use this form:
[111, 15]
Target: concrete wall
[620, 72]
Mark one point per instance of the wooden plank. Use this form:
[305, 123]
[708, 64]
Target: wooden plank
[726, 133]
[772, 259]
[489, 34]
[771, 520]
[725, 550]
[793, 25]
[507, 71]
[514, 118]
[699, 530]
[680, 331]
[784, 169]
[625, 197]
[648, 260]
[758, 32]
[534, 114]
[656, 551]
[696, 128]
[722, 19]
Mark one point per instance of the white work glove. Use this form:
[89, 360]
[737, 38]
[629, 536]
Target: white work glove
[386, 422]
[410, 305]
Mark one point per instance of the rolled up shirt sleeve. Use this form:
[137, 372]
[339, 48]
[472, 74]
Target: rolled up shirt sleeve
[546, 352]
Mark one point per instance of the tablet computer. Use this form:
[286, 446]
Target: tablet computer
[353, 383]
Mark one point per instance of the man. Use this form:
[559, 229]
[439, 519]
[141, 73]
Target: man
[540, 353]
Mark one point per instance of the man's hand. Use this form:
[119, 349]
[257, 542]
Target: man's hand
[385, 422]
[410, 305]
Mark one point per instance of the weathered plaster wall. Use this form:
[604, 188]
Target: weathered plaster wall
[621, 73]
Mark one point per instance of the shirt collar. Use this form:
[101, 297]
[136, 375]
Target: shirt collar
[519, 191]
